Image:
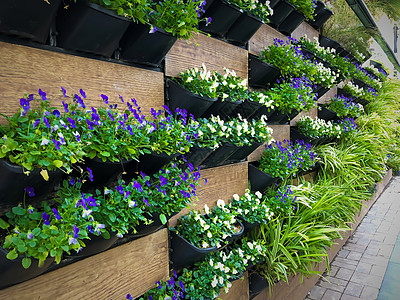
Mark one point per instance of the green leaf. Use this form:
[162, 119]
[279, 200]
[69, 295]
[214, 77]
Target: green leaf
[26, 262]
[105, 153]
[12, 255]
[58, 163]
[22, 248]
[3, 224]
[18, 210]
[112, 217]
[163, 219]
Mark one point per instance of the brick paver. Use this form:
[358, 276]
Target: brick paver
[358, 269]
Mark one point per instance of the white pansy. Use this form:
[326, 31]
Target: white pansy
[214, 282]
[220, 203]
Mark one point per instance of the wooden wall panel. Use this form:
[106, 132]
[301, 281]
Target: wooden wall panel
[263, 38]
[23, 70]
[280, 133]
[305, 29]
[215, 54]
[239, 289]
[222, 183]
[326, 98]
[131, 268]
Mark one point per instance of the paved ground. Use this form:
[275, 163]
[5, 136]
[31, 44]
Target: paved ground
[368, 265]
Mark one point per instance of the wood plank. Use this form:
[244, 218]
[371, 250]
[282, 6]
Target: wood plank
[297, 289]
[215, 54]
[263, 38]
[222, 183]
[305, 29]
[238, 291]
[280, 133]
[36, 68]
[130, 268]
[326, 98]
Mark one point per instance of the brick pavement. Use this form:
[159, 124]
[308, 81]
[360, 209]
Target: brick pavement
[358, 269]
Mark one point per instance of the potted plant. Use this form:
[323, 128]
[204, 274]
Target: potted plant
[169, 20]
[255, 13]
[315, 130]
[35, 149]
[262, 73]
[345, 107]
[304, 10]
[196, 234]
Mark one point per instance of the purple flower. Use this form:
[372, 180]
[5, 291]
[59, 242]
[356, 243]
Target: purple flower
[82, 93]
[90, 174]
[72, 181]
[46, 218]
[71, 122]
[105, 98]
[56, 112]
[30, 236]
[56, 144]
[129, 297]
[181, 285]
[208, 21]
[36, 123]
[137, 186]
[78, 137]
[46, 121]
[65, 107]
[64, 92]
[25, 104]
[122, 99]
[56, 214]
[90, 124]
[120, 189]
[42, 95]
[163, 180]
[153, 29]
[30, 190]
[146, 202]
[159, 285]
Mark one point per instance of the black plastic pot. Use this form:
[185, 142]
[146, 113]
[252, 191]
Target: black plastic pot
[341, 92]
[361, 101]
[223, 16]
[259, 180]
[297, 135]
[314, 168]
[247, 108]
[307, 53]
[95, 245]
[13, 181]
[278, 117]
[142, 229]
[261, 73]
[257, 284]
[219, 155]
[27, 18]
[291, 22]
[183, 253]
[197, 155]
[148, 163]
[12, 271]
[104, 173]
[244, 28]
[327, 42]
[319, 5]
[88, 27]
[272, 3]
[248, 226]
[178, 96]
[235, 236]
[359, 82]
[242, 152]
[140, 46]
[326, 114]
[263, 111]
[321, 18]
[281, 11]
[223, 108]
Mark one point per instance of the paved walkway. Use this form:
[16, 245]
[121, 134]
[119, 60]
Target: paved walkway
[368, 265]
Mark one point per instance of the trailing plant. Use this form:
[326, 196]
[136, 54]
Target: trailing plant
[284, 160]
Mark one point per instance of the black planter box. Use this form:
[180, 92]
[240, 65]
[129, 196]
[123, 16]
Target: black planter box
[263, 111]
[223, 16]
[292, 114]
[88, 27]
[361, 101]
[140, 46]
[142, 229]
[235, 236]
[183, 253]
[197, 155]
[318, 8]
[272, 3]
[12, 271]
[219, 155]
[95, 245]
[248, 226]
[359, 82]
[104, 173]
[29, 19]
[223, 108]
[327, 42]
[259, 180]
[242, 152]
[341, 92]
[321, 18]
[307, 53]
[326, 114]
[148, 163]
[243, 28]
[13, 181]
[247, 109]
[257, 284]
[178, 96]
[297, 135]
[321, 90]
[345, 53]
[291, 22]
[281, 11]
[261, 73]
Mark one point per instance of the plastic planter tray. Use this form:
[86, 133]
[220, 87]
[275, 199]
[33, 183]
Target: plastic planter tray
[259, 180]
[326, 114]
[261, 73]
[323, 16]
[291, 22]
[223, 108]
[140, 46]
[178, 96]
[247, 108]
[244, 28]
[244, 151]
[281, 11]
[220, 155]
[197, 155]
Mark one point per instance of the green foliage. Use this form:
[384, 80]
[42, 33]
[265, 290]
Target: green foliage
[316, 128]
[345, 107]
[307, 7]
[257, 8]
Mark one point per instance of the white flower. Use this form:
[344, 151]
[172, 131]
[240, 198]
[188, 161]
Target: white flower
[205, 245]
[206, 209]
[258, 194]
[220, 203]
[44, 142]
[221, 280]
[131, 204]
[209, 234]
[211, 263]
[250, 245]
[236, 197]
[214, 282]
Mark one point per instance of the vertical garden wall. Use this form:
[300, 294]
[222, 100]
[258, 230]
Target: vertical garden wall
[133, 263]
